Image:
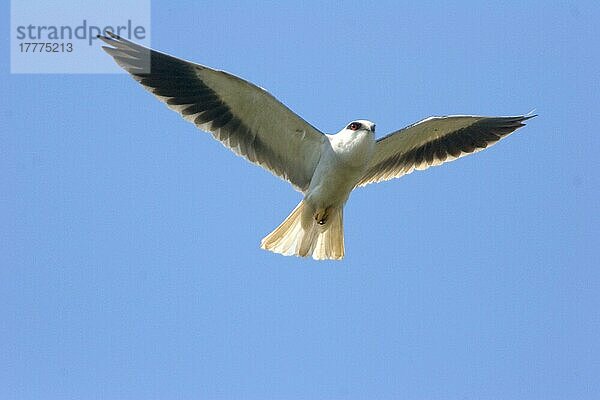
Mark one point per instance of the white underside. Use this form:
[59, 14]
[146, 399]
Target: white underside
[344, 158]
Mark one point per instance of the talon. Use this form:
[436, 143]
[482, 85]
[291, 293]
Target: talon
[321, 217]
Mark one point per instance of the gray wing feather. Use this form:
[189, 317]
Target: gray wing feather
[245, 118]
[434, 141]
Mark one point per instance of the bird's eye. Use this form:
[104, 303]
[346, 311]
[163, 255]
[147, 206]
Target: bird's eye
[354, 126]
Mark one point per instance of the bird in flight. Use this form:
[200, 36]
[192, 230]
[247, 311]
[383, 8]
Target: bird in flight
[324, 168]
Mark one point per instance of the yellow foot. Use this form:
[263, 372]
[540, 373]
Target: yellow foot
[321, 216]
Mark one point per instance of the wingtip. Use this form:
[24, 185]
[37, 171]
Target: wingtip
[106, 39]
[530, 114]
[110, 36]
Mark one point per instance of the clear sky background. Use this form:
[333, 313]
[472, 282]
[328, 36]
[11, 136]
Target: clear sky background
[130, 260]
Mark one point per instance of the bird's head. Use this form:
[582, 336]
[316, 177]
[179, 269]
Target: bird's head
[360, 125]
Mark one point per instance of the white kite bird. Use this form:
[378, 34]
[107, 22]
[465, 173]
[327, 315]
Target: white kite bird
[324, 168]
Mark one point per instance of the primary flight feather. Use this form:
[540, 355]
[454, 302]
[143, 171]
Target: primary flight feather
[324, 168]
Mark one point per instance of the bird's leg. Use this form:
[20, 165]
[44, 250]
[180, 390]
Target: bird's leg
[321, 216]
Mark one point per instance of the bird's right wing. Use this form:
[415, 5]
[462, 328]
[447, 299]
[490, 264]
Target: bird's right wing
[245, 118]
[434, 141]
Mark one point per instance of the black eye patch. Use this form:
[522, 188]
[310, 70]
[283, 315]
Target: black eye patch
[354, 126]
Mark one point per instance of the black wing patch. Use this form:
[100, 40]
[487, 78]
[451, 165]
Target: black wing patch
[470, 139]
[178, 84]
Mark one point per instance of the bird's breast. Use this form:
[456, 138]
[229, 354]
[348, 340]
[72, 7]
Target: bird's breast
[342, 164]
[355, 150]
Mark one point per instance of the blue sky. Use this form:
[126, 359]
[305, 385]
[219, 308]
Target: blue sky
[130, 266]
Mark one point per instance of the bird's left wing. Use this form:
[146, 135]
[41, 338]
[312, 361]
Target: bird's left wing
[434, 141]
[245, 118]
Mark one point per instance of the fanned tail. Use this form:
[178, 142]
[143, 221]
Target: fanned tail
[300, 235]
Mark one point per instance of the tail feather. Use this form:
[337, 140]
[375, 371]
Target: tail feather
[304, 237]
